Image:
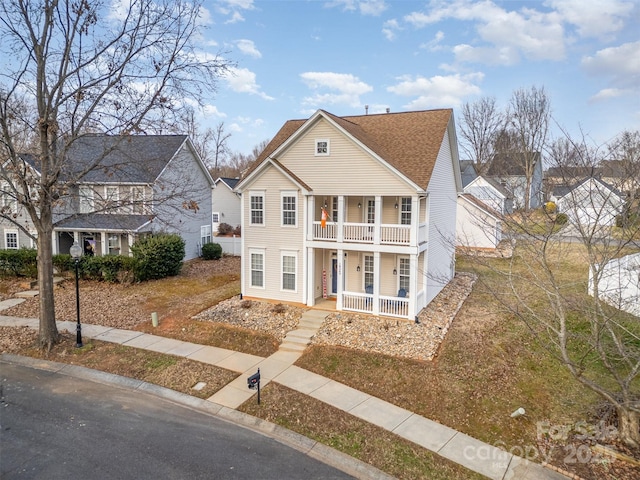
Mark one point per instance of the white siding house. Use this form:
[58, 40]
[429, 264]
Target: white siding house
[477, 225]
[356, 210]
[591, 202]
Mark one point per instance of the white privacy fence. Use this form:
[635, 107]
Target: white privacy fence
[619, 284]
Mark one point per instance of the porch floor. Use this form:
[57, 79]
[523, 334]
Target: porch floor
[328, 304]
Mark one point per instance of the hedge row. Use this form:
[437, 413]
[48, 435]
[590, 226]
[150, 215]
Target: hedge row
[154, 257]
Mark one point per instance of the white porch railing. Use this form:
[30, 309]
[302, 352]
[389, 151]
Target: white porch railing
[357, 302]
[363, 233]
[394, 306]
[363, 302]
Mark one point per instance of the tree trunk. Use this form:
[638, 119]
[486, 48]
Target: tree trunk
[629, 427]
[49, 335]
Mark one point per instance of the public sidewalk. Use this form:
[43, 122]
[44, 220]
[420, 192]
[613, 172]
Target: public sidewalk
[446, 442]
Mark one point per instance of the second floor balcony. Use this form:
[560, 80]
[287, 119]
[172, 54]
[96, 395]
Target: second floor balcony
[359, 221]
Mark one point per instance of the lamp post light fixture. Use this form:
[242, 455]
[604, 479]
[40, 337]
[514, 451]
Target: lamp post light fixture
[76, 253]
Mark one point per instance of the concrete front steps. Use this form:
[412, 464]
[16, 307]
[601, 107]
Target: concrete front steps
[297, 340]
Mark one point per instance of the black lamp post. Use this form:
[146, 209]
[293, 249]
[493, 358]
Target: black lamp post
[76, 253]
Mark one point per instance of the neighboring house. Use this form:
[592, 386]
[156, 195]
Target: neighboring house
[508, 170]
[491, 193]
[226, 203]
[468, 172]
[619, 283]
[478, 226]
[360, 210]
[134, 185]
[591, 202]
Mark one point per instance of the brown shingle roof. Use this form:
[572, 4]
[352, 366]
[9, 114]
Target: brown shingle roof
[409, 141]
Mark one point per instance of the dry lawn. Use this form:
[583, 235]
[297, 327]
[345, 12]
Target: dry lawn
[488, 366]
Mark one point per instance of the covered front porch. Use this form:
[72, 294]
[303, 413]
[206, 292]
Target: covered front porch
[375, 283]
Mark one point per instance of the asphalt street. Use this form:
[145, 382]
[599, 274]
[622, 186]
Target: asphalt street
[54, 426]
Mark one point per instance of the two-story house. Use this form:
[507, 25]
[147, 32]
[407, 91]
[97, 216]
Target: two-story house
[509, 170]
[357, 210]
[226, 203]
[127, 186]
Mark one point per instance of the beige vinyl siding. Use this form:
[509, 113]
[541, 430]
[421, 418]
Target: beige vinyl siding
[274, 238]
[347, 170]
[442, 222]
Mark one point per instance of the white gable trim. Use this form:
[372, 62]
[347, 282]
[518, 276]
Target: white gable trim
[475, 206]
[322, 114]
[268, 162]
[479, 179]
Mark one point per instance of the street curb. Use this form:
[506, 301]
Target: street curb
[307, 446]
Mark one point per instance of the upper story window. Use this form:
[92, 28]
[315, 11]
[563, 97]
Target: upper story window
[289, 208]
[86, 199]
[11, 239]
[137, 200]
[9, 204]
[405, 211]
[322, 146]
[112, 196]
[256, 201]
[334, 209]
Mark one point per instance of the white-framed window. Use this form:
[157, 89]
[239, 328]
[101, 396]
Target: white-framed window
[215, 217]
[113, 243]
[256, 200]
[111, 196]
[86, 199]
[9, 204]
[405, 211]
[137, 200]
[289, 264]
[11, 239]
[404, 274]
[334, 209]
[205, 234]
[322, 147]
[289, 201]
[368, 270]
[256, 258]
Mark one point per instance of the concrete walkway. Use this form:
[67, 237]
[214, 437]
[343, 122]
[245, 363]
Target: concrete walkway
[446, 442]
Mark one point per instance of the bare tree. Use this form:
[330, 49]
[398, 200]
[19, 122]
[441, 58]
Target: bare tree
[84, 67]
[623, 164]
[481, 122]
[238, 163]
[219, 138]
[589, 326]
[528, 123]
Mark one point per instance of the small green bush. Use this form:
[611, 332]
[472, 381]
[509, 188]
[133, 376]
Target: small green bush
[561, 218]
[158, 256]
[63, 262]
[19, 263]
[211, 251]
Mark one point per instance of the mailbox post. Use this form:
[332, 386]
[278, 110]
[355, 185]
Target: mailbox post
[254, 382]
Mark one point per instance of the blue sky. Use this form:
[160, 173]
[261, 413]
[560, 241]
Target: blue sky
[294, 57]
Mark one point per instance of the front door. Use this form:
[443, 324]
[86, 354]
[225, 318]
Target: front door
[334, 276]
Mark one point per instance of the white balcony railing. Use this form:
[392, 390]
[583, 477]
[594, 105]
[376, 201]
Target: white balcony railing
[363, 233]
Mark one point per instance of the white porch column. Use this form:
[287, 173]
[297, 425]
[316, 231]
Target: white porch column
[105, 245]
[54, 243]
[413, 285]
[378, 225]
[341, 269]
[415, 220]
[310, 290]
[341, 216]
[130, 240]
[311, 205]
[376, 282]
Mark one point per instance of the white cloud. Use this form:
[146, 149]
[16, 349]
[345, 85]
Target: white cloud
[248, 48]
[434, 44]
[366, 7]
[621, 64]
[389, 29]
[346, 88]
[593, 18]
[509, 34]
[233, 9]
[437, 91]
[212, 111]
[243, 80]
